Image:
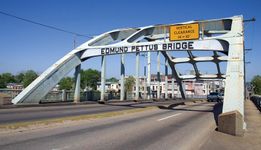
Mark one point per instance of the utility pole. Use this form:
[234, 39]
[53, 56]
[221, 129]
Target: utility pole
[246, 50]
[74, 41]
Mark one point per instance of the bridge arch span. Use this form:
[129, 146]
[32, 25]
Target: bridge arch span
[218, 35]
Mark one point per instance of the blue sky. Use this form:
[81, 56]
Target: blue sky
[26, 46]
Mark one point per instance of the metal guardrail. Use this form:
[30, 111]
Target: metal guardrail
[67, 96]
[257, 101]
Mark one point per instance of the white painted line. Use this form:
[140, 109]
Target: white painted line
[169, 117]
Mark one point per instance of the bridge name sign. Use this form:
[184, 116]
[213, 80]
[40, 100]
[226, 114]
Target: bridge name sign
[185, 45]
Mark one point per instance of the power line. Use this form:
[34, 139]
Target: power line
[44, 25]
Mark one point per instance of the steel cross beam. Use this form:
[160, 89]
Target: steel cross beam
[175, 73]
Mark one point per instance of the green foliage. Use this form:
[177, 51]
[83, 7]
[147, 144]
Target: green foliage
[89, 78]
[29, 77]
[19, 78]
[256, 82]
[6, 78]
[2, 83]
[129, 83]
[24, 78]
[66, 83]
[112, 79]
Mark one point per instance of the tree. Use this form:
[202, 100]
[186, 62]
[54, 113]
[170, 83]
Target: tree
[6, 78]
[19, 78]
[89, 78]
[66, 83]
[129, 83]
[2, 83]
[256, 82]
[29, 77]
[112, 79]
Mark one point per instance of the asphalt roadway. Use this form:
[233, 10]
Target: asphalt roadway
[45, 111]
[164, 128]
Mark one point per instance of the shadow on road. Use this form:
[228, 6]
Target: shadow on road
[187, 108]
[171, 106]
[217, 109]
[132, 105]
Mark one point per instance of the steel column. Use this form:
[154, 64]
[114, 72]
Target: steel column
[172, 85]
[103, 77]
[77, 90]
[64, 95]
[122, 77]
[149, 77]
[145, 84]
[158, 75]
[166, 78]
[137, 76]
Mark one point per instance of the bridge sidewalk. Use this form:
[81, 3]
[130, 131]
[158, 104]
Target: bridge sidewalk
[251, 140]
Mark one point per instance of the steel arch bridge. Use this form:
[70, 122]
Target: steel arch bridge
[218, 35]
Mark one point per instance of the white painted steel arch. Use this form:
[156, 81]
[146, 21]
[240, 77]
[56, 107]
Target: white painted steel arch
[218, 35]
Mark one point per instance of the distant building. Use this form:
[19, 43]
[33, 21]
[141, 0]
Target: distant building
[109, 86]
[15, 86]
[192, 87]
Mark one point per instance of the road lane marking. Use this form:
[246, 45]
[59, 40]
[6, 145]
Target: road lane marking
[169, 117]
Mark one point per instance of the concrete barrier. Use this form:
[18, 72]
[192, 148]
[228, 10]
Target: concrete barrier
[231, 123]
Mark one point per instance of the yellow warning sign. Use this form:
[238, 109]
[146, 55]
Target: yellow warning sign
[184, 32]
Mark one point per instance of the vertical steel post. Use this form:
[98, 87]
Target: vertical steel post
[149, 77]
[166, 78]
[158, 75]
[122, 77]
[64, 95]
[103, 70]
[172, 85]
[77, 90]
[137, 76]
[145, 84]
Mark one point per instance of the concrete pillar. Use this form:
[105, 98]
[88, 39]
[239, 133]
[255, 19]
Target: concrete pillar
[149, 77]
[166, 79]
[77, 90]
[231, 120]
[158, 75]
[122, 77]
[137, 76]
[103, 78]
